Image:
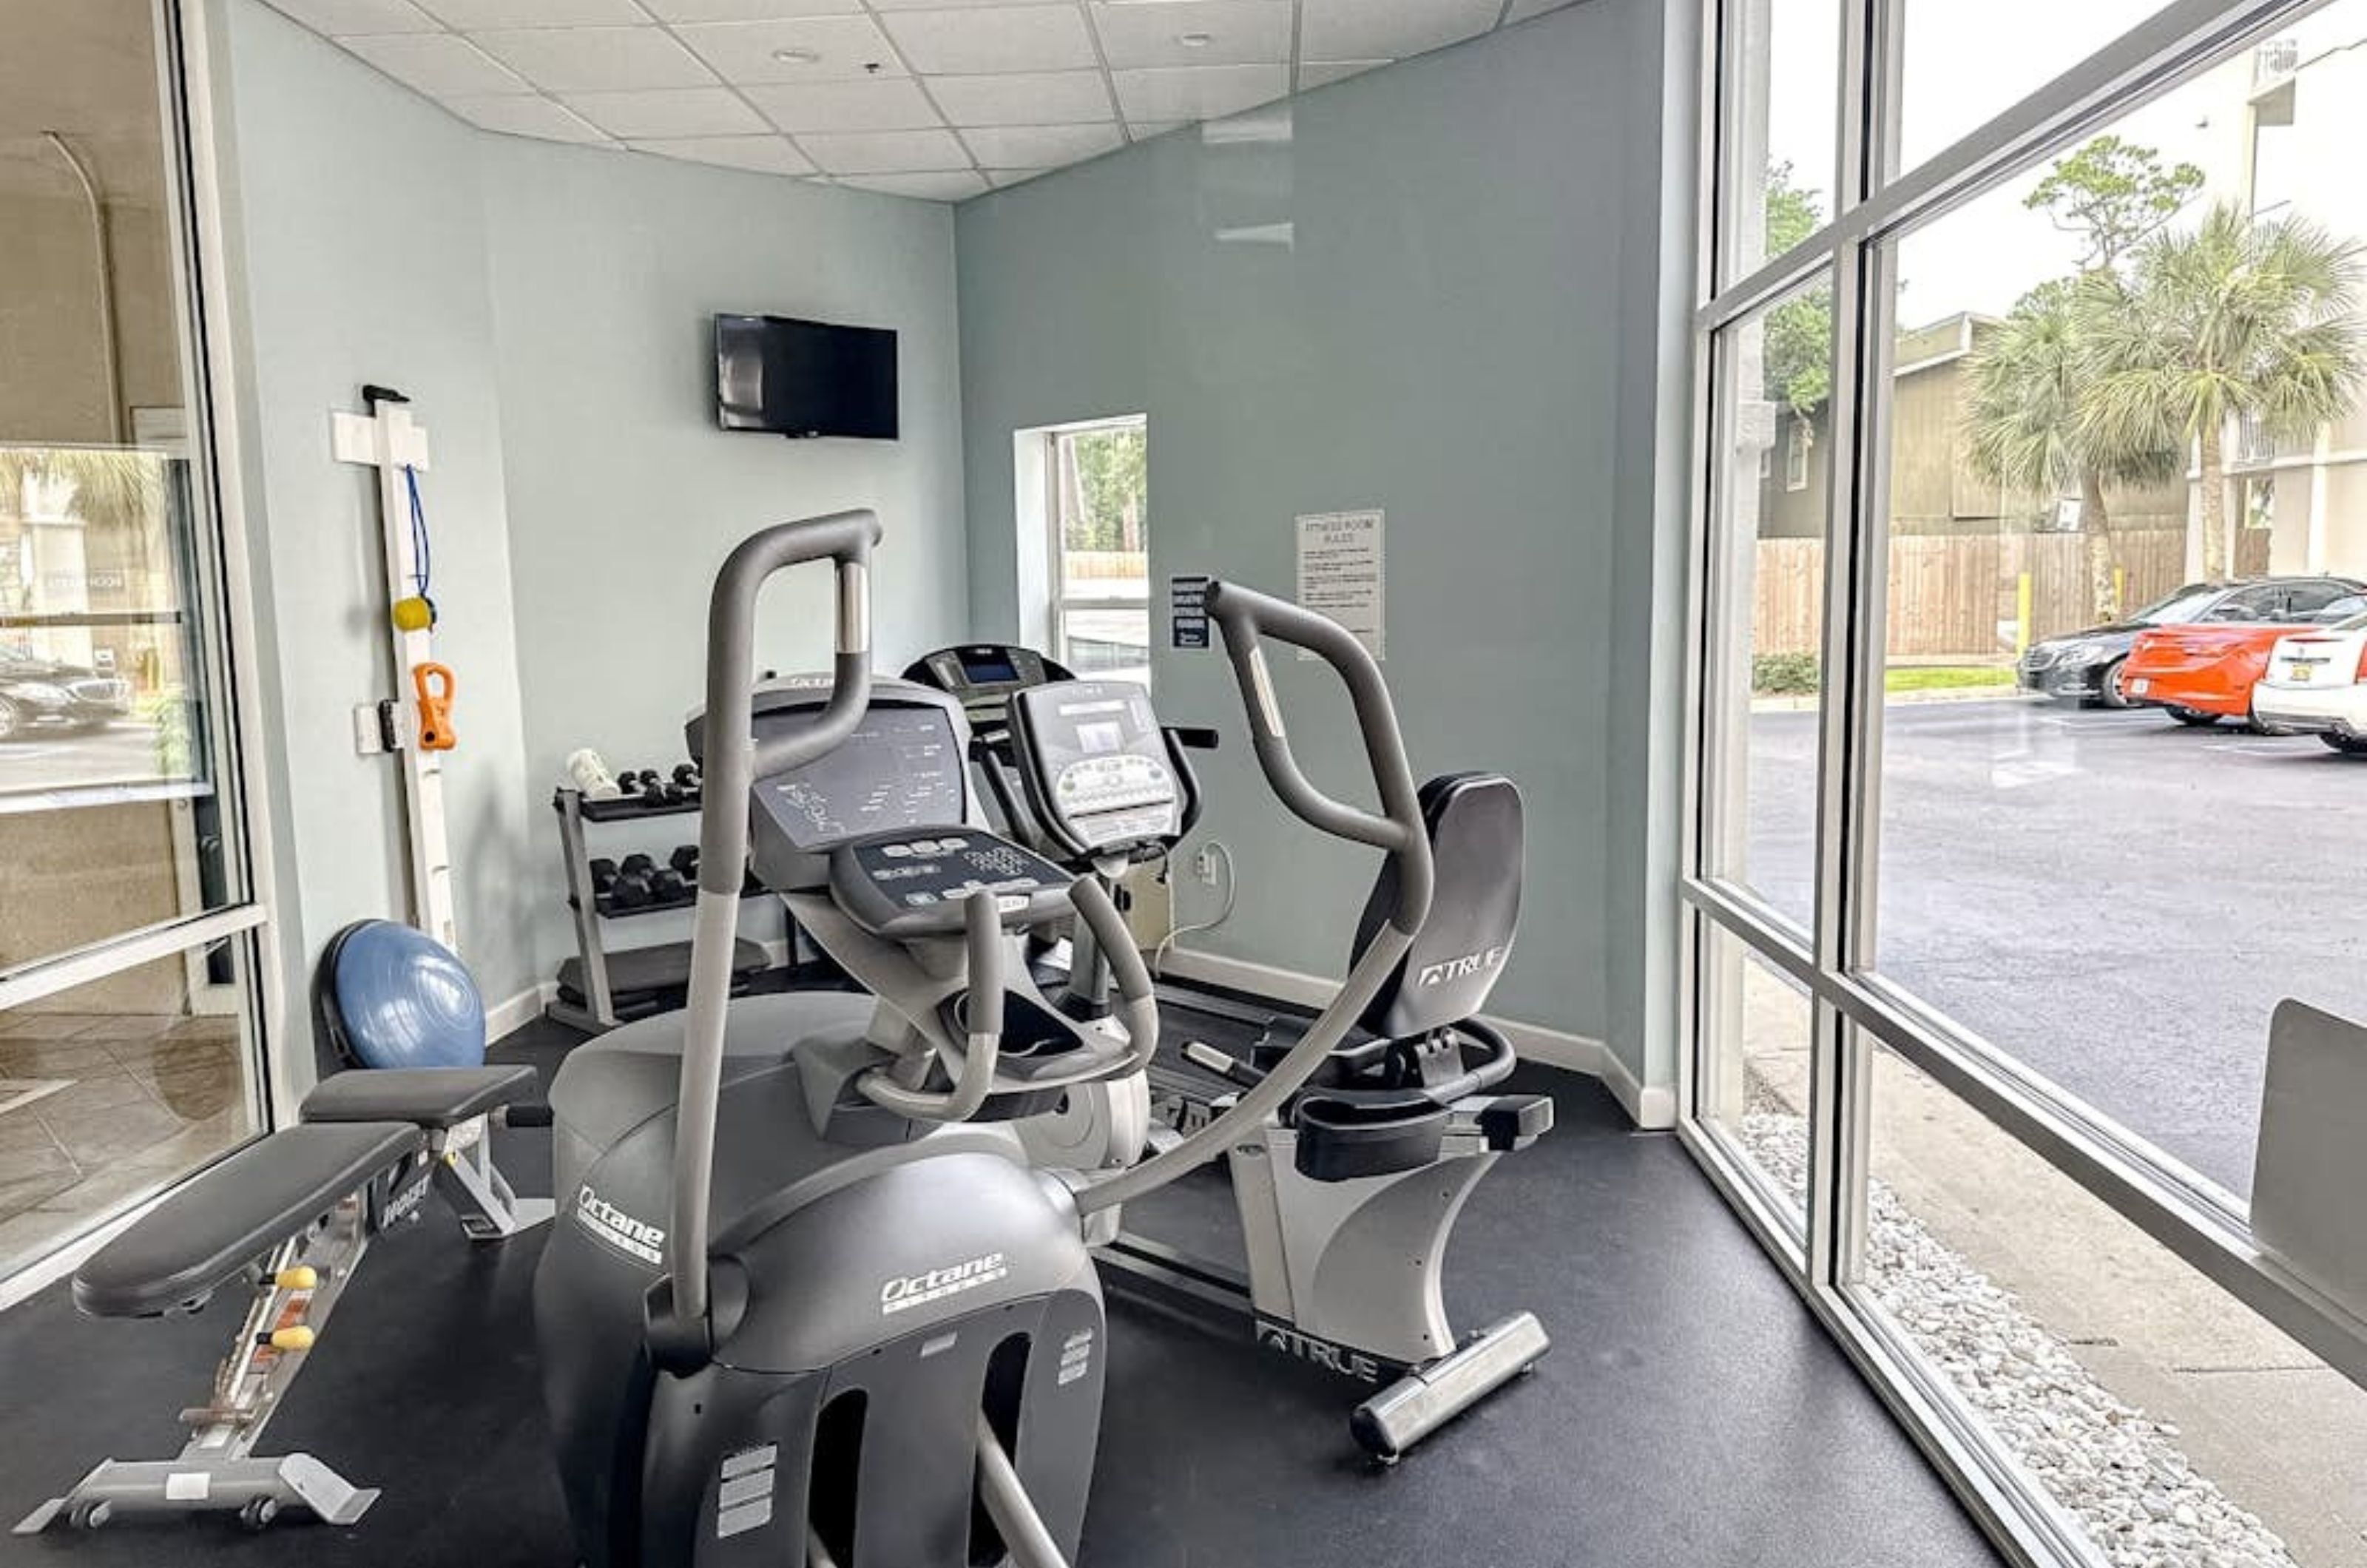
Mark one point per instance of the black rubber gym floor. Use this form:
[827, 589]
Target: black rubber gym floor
[1691, 1413]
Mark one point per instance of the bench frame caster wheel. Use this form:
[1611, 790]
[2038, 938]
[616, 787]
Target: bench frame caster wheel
[254, 1515]
[90, 1515]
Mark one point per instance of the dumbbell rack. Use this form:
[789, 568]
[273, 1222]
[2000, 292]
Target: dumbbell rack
[599, 989]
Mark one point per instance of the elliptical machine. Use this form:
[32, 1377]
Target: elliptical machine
[808, 1303]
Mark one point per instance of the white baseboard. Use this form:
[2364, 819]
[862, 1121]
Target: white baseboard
[507, 1018]
[1649, 1109]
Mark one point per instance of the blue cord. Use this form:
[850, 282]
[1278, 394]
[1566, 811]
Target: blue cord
[421, 573]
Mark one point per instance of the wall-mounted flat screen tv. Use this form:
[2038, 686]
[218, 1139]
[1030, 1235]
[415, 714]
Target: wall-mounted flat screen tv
[805, 379]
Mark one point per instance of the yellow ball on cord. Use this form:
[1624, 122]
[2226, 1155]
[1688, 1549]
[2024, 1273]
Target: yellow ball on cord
[414, 614]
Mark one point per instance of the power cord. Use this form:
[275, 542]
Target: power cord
[1232, 891]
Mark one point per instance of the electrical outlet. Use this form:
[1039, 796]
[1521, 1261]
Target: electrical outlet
[1204, 865]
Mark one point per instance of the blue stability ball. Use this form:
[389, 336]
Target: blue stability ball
[397, 998]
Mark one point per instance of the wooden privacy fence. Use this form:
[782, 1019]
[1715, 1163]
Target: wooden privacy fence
[1105, 566]
[1959, 595]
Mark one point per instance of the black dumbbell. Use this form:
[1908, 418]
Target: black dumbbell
[632, 890]
[672, 793]
[650, 782]
[603, 874]
[668, 886]
[685, 859]
[631, 783]
[686, 774]
[637, 865]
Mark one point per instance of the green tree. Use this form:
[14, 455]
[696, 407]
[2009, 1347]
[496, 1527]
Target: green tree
[2236, 320]
[2028, 381]
[1103, 475]
[2112, 193]
[1796, 352]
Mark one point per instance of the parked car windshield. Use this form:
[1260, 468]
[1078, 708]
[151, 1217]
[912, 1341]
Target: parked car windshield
[2186, 605]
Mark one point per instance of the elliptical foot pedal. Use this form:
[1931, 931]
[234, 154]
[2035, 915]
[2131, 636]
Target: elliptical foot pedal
[1431, 1395]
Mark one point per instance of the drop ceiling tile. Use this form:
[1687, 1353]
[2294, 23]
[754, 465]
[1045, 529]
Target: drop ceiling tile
[1145, 129]
[999, 178]
[347, 18]
[897, 104]
[467, 16]
[596, 60]
[989, 38]
[518, 116]
[1024, 97]
[439, 64]
[1198, 92]
[1315, 74]
[747, 10]
[819, 49]
[884, 6]
[951, 185]
[886, 152]
[671, 112]
[1040, 146]
[764, 155]
[1196, 33]
[1388, 29]
[1523, 9]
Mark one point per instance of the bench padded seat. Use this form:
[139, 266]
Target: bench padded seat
[434, 1098]
[216, 1225]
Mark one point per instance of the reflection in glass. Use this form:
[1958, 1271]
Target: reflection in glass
[1756, 1029]
[2105, 516]
[1770, 496]
[110, 743]
[1783, 65]
[110, 1090]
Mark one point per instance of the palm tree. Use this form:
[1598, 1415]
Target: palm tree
[104, 486]
[2236, 320]
[2030, 380]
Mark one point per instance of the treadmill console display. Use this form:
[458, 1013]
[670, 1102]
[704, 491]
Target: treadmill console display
[985, 674]
[1098, 764]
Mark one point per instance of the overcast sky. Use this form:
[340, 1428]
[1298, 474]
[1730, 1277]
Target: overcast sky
[1966, 60]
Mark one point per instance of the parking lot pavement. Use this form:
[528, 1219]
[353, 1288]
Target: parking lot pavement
[121, 753]
[2113, 899]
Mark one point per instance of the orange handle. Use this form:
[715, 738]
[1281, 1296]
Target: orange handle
[435, 686]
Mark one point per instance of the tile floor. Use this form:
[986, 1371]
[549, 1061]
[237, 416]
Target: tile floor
[97, 1109]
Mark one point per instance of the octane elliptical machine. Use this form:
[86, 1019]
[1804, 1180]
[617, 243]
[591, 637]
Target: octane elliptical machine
[808, 1303]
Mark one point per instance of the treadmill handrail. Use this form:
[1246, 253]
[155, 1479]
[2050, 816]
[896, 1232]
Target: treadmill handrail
[734, 762]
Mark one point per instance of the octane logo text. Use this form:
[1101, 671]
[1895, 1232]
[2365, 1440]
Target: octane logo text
[906, 1291]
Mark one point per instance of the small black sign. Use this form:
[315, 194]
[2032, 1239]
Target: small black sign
[1187, 611]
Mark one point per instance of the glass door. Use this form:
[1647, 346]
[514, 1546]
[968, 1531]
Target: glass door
[130, 1040]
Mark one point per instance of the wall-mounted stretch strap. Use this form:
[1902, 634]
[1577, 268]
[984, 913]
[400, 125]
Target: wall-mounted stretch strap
[734, 762]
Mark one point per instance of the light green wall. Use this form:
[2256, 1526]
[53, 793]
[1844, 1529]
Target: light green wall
[1455, 333]
[358, 254]
[623, 497]
[547, 308]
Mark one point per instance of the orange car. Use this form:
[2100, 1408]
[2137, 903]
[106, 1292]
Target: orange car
[2203, 673]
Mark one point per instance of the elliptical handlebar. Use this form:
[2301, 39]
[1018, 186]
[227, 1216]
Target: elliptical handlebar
[1245, 616]
[678, 1326]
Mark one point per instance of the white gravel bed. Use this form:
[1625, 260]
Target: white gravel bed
[2116, 1470]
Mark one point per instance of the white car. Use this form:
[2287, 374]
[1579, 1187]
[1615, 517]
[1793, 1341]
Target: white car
[2317, 684]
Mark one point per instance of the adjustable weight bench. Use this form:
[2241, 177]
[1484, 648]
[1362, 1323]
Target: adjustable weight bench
[290, 1217]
